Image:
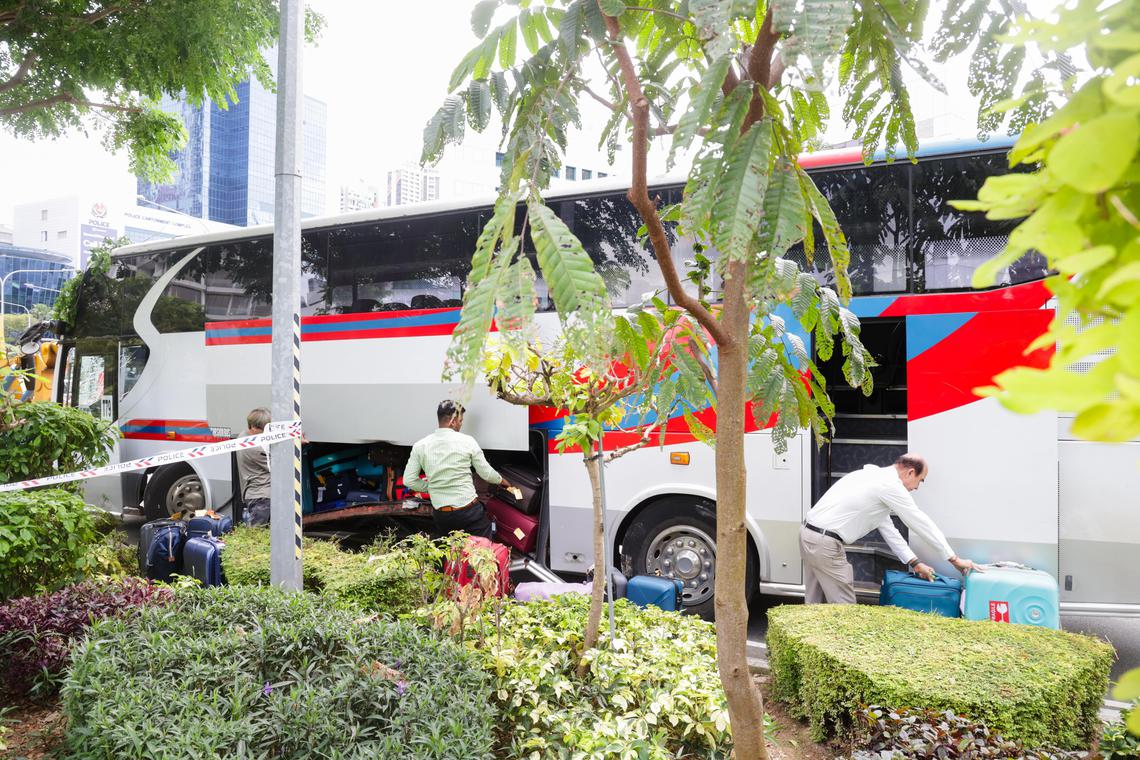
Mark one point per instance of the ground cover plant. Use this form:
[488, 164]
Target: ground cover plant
[382, 577]
[46, 539]
[253, 672]
[38, 632]
[937, 735]
[1033, 685]
[651, 693]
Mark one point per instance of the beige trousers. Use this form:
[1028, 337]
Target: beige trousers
[828, 577]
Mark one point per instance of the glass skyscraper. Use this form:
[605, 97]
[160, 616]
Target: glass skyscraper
[225, 171]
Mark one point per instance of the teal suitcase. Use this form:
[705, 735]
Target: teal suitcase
[1006, 592]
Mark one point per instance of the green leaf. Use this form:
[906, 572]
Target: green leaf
[740, 192]
[478, 104]
[784, 210]
[507, 44]
[527, 24]
[701, 102]
[481, 16]
[1094, 156]
[571, 30]
[612, 7]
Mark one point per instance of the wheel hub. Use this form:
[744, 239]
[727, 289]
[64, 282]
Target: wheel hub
[185, 495]
[688, 554]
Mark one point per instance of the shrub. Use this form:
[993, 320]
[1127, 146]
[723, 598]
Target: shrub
[37, 632]
[45, 438]
[45, 541]
[934, 735]
[1116, 741]
[653, 693]
[248, 672]
[382, 577]
[1033, 685]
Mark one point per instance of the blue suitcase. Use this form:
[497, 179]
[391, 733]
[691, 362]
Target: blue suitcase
[942, 596]
[202, 559]
[164, 541]
[209, 525]
[1007, 592]
[665, 593]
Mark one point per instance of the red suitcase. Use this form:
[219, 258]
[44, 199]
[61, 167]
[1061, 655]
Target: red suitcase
[463, 575]
[513, 527]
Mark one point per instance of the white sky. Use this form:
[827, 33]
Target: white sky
[382, 68]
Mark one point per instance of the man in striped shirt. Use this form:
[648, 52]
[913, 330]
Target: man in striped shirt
[441, 465]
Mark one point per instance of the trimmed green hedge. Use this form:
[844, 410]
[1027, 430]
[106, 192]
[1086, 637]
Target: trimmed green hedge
[382, 578]
[257, 673]
[1034, 685]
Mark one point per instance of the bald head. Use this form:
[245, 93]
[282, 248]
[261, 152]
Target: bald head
[912, 469]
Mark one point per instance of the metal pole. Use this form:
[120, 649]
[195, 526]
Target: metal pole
[606, 533]
[285, 457]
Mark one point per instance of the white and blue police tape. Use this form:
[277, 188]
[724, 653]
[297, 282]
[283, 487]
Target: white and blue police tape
[274, 432]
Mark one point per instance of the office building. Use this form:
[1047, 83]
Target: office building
[412, 184]
[225, 172]
[31, 277]
[73, 225]
[358, 197]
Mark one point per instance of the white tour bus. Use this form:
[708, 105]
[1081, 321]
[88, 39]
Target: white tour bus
[174, 346]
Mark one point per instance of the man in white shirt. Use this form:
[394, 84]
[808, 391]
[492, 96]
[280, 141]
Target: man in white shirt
[859, 502]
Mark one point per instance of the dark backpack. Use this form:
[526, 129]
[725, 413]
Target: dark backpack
[164, 555]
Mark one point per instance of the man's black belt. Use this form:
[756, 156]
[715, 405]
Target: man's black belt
[828, 533]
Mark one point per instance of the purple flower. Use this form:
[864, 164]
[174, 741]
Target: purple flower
[399, 665]
[266, 690]
[401, 687]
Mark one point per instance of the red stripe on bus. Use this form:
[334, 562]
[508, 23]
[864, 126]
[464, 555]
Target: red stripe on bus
[381, 332]
[1029, 295]
[177, 437]
[239, 340]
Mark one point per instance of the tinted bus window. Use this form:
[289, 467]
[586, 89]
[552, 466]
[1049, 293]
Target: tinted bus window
[951, 244]
[607, 227]
[872, 207]
[401, 264]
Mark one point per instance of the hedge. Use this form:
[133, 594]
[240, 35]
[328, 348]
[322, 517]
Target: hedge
[258, 673]
[46, 540]
[380, 578]
[1034, 685]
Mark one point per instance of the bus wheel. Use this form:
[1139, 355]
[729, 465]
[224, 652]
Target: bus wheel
[176, 488]
[676, 538]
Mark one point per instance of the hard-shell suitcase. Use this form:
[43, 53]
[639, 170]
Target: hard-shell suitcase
[1007, 592]
[942, 596]
[528, 482]
[202, 559]
[323, 463]
[512, 526]
[146, 538]
[209, 525]
[529, 592]
[665, 593]
[463, 574]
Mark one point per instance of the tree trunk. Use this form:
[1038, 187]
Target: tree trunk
[745, 706]
[597, 593]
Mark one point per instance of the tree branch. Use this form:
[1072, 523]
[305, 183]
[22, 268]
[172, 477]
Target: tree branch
[21, 73]
[639, 191]
[646, 439]
[760, 69]
[612, 106]
[66, 98]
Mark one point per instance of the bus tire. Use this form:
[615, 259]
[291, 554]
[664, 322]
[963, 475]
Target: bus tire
[676, 537]
[174, 488]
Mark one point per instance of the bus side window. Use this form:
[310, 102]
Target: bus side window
[132, 361]
[237, 280]
[93, 388]
[951, 244]
[401, 264]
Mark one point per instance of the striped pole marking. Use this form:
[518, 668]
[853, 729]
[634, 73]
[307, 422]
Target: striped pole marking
[297, 506]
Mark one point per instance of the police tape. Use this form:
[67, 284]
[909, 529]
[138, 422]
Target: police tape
[274, 433]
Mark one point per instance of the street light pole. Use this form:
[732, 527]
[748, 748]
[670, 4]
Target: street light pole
[285, 376]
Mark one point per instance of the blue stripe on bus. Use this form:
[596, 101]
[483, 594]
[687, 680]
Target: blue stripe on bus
[238, 332]
[926, 330]
[162, 429]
